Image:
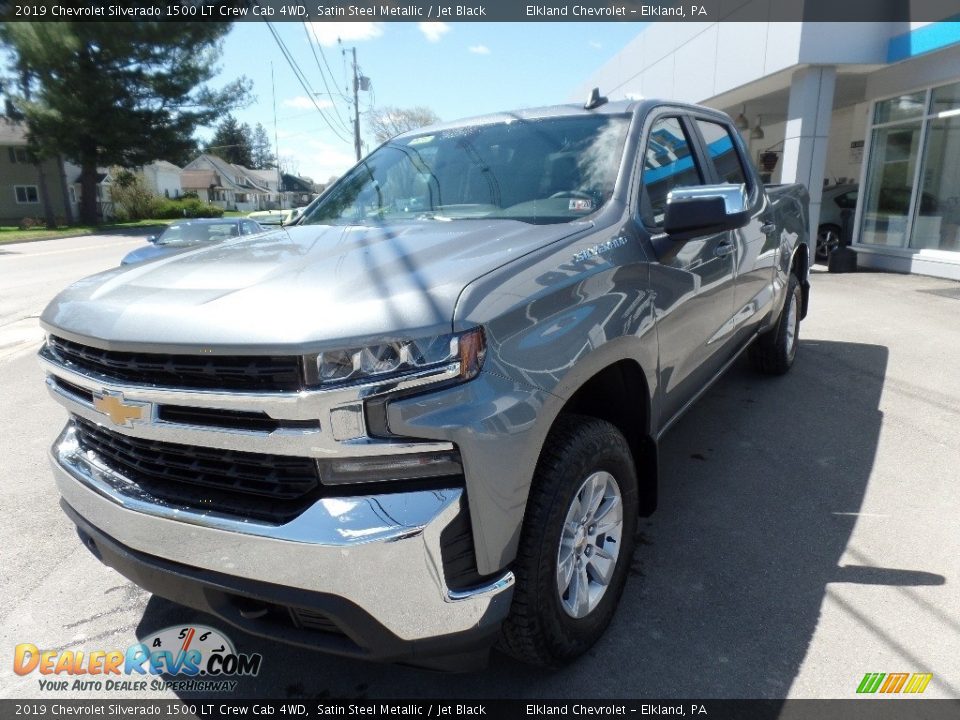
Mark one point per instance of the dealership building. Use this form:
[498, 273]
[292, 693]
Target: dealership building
[874, 107]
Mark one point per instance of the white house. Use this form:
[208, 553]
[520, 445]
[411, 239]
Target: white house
[163, 178]
[229, 186]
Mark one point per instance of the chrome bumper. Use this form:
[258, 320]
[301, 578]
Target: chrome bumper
[381, 552]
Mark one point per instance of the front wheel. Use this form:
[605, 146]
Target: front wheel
[575, 545]
[773, 352]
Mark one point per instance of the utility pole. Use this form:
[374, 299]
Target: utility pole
[356, 105]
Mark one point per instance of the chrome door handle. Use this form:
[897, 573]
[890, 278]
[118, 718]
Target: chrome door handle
[768, 228]
[724, 249]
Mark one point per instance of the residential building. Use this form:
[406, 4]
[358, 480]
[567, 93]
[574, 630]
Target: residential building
[23, 183]
[229, 186]
[163, 178]
[877, 104]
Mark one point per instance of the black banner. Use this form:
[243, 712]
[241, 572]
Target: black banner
[488, 10]
[860, 709]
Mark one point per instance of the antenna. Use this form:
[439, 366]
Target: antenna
[595, 100]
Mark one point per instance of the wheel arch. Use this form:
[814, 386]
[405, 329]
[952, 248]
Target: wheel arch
[619, 393]
[800, 266]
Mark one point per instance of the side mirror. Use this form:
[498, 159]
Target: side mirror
[705, 210]
[153, 239]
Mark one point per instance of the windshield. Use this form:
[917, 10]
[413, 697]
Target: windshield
[189, 233]
[537, 171]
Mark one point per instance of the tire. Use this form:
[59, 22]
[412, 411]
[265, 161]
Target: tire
[828, 239]
[543, 627]
[774, 351]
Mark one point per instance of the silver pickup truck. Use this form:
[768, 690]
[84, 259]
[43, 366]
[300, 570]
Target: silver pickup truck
[424, 420]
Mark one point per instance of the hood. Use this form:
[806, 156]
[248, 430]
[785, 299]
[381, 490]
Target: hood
[148, 252]
[299, 289]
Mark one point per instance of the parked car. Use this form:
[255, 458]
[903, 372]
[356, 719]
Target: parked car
[836, 199]
[425, 420]
[185, 234]
[275, 217]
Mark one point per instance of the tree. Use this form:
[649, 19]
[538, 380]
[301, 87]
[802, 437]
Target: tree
[289, 165]
[388, 122]
[262, 157]
[233, 142]
[123, 94]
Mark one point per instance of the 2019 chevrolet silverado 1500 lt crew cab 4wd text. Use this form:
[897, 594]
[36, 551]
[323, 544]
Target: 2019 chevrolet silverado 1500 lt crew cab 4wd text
[424, 420]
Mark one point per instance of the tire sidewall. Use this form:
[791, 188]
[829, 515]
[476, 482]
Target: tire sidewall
[576, 635]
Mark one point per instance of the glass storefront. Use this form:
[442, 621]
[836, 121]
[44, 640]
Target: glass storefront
[912, 197]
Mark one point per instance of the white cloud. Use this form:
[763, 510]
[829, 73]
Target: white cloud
[433, 31]
[302, 102]
[479, 49]
[595, 45]
[327, 33]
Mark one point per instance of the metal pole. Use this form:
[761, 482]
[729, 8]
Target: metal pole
[356, 106]
[276, 140]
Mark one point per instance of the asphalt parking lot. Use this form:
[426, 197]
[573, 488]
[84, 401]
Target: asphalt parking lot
[807, 530]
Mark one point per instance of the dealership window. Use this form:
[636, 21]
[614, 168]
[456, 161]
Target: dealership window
[26, 194]
[912, 189]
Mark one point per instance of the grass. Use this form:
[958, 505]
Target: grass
[12, 234]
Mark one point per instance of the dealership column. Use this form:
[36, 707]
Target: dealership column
[807, 134]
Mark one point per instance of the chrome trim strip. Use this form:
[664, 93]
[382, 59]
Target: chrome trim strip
[381, 552]
[307, 405]
[303, 405]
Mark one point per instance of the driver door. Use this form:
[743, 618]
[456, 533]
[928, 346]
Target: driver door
[693, 281]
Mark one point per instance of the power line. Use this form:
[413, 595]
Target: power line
[302, 80]
[324, 78]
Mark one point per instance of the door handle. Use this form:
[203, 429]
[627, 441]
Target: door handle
[724, 249]
[768, 228]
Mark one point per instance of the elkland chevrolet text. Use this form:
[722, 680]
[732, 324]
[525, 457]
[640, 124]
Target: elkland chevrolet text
[424, 420]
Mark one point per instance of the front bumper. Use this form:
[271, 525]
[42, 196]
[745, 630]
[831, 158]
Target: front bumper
[372, 565]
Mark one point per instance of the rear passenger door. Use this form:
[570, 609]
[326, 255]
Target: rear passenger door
[693, 281]
[755, 244]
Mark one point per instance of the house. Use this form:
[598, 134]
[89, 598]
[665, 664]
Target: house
[229, 186]
[105, 208]
[298, 191]
[28, 190]
[163, 178]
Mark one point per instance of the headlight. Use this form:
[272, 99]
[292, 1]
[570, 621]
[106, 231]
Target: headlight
[463, 353]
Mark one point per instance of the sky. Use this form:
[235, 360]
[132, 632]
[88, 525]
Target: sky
[455, 69]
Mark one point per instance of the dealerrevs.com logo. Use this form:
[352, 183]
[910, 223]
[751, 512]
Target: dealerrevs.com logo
[198, 657]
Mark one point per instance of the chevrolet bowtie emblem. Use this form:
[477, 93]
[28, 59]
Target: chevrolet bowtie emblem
[119, 411]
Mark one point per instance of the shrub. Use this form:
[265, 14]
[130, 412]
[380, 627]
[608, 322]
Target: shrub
[131, 197]
[29, 223]
[164, 208]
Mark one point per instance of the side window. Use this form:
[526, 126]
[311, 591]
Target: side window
[723, 153]
[668, 163]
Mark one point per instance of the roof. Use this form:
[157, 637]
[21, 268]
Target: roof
[537, 113]
[206, 221]
[227, 172]
[263, 176]
[197, 179]
[101, 176]
[164, 165]
[12, 133]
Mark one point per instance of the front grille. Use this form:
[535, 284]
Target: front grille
[274, 488]
[210, 372]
